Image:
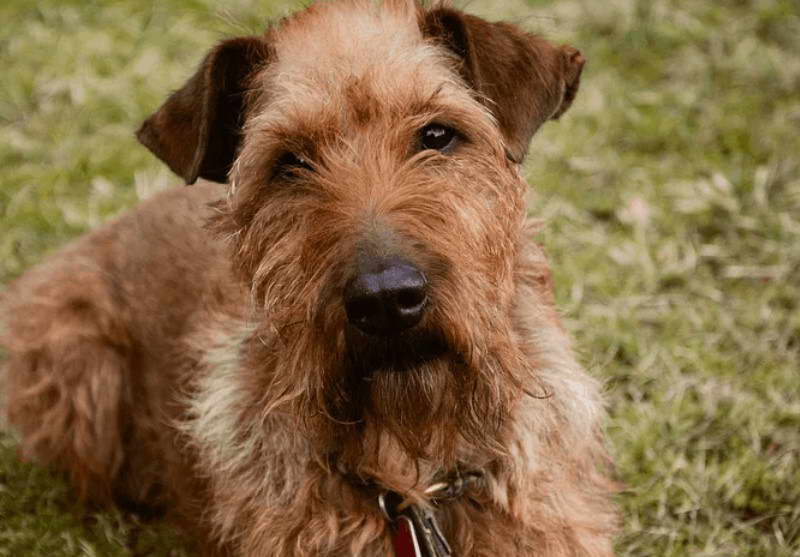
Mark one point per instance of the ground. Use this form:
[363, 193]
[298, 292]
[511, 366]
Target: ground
[671, 192]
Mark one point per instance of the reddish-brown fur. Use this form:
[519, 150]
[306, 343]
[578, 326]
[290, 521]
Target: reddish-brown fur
[195, 354]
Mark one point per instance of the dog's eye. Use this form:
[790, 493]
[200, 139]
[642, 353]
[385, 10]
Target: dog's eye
[289, 164]
[438, 137]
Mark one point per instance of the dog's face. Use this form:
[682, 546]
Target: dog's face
[375, 208]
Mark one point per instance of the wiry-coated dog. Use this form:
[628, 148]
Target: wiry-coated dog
[360, 314]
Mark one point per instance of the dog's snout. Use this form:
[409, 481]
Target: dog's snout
[386, 296]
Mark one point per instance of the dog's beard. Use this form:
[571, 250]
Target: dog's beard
[422, 391]
[434, 392]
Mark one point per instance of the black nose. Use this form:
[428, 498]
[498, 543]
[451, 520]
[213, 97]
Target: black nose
[386, 296]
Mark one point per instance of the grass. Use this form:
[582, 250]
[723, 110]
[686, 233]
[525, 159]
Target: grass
[672, 195]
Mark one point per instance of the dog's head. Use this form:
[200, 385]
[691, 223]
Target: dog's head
[375, 207]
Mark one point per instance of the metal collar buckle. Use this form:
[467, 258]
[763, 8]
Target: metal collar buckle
[415, 530]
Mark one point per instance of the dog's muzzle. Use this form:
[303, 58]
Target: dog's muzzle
[386, 297]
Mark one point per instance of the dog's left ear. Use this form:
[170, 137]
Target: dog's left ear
[197, 131]
[523, 79]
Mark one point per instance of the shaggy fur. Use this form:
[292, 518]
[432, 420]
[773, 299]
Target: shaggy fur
[195, 355]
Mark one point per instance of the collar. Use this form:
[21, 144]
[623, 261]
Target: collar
[449, 488]
[415, 529]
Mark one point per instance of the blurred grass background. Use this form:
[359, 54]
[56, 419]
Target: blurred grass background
[672, 195]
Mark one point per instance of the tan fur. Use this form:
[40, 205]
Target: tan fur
[195, 354]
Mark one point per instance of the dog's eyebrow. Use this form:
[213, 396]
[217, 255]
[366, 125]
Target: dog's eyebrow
[295, 142]
[429, 104]
[432, 98]
[300, 139]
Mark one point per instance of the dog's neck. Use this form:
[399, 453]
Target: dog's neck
[377, 460]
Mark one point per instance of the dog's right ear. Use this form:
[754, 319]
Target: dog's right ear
[197, 131]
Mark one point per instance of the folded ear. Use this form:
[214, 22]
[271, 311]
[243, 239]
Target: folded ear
[523, 79]
[197, 130]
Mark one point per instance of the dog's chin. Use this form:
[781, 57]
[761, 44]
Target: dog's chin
[415, 389]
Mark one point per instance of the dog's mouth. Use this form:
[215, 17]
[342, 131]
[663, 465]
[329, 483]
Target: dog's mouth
[368, 355]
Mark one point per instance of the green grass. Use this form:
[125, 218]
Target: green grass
[672, 195]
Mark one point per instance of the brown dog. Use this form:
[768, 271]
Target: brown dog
[359, 315]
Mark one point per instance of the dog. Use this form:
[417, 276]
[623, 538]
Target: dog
[352, 348]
